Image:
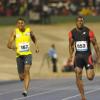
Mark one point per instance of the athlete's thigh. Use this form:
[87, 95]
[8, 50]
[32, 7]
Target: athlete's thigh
[78, 61]
[27, 68]
[20, 64]
[89, 67]
[28, 59]
[88, 62]
[28, 62]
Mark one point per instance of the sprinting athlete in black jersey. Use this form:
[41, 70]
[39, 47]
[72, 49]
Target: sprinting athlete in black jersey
[80, 39]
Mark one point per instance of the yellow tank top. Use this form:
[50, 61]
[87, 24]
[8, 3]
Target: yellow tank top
[22, 42]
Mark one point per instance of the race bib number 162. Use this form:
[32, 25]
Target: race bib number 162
[23, 47]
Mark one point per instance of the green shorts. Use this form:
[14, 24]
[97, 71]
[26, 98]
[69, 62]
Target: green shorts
[22, 61]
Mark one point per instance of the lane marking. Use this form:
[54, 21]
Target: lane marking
[46, 92]
[17, 90]
[41, 88]
[88, 92]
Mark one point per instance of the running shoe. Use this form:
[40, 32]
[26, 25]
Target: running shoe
[24, 93]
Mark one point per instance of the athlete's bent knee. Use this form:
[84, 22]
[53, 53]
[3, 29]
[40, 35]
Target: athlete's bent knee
[90, 75]
[90, 78]
[21, 77]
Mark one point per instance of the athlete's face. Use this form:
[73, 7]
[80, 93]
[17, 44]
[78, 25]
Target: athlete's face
[80, 22]
[21, 24]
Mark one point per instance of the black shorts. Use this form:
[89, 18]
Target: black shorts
[83, 60]
[22, 61]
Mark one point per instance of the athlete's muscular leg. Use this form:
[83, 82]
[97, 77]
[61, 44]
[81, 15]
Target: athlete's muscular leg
[20, 67]
[26, 76]
[21, 76]
[79, 82]
[90, 74]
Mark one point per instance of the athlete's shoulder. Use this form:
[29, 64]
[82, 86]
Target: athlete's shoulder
[73, 30]
[91, 33]
[71, 33]
[28, 28]
[86, 28]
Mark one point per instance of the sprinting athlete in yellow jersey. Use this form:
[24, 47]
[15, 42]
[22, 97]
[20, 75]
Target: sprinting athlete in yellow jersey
[22, 37]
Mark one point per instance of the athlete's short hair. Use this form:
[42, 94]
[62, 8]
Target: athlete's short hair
[22, 19]
[79, 17]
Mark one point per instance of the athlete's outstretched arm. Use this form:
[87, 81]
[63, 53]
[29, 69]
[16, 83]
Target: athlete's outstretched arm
[34, 40]
[11, 41]
[71, 45]
[95, 44]
[71, 48]
[96, 47]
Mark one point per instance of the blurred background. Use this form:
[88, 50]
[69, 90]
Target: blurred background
[41, 11]
[50, 21]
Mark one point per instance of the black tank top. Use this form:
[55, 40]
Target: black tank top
[81, 39]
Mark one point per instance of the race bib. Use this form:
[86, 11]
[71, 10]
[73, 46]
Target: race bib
[81, 46]
[23, 47]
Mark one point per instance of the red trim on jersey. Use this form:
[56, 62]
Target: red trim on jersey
[91, 35]
[90, 60]
[70, 36]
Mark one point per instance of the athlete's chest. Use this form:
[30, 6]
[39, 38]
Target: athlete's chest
[81, 39]
[20, 34]
[81, 35]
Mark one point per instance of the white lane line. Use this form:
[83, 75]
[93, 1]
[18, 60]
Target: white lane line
[31, 89]
[88, 92]
[46, 92]
[19, 90]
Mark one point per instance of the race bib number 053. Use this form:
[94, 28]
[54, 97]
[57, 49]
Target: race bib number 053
[81, 46]
[23, 47]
